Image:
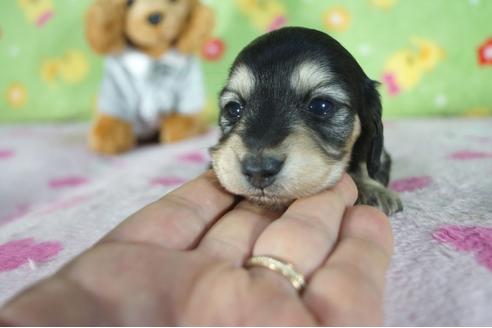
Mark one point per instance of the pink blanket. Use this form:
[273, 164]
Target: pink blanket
[57, 199]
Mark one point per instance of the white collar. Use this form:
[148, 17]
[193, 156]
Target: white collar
[140, 64]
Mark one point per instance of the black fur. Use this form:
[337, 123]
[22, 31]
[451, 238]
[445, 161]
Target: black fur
[272, 59]
[287, 48]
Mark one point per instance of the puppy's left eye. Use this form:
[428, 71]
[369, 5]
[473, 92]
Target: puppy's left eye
[320, 107]
[233, 110]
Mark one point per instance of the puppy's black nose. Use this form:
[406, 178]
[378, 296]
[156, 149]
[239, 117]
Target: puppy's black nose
[261, 171]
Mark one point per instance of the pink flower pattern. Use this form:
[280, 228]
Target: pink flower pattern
[477, 240]
[410, 184]
[18, 252]
[68, 181]
[469, 154]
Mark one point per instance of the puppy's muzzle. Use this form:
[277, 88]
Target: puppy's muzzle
[261, 171]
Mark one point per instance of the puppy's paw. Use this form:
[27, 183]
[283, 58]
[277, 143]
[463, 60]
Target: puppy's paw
[375, 194]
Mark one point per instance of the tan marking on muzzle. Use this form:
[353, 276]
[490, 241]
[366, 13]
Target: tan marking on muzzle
[226, 159]
[307, 170]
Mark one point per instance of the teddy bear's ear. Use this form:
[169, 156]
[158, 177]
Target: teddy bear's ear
[197, 30]
[104, 25]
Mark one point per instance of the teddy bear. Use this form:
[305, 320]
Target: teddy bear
[152, 80]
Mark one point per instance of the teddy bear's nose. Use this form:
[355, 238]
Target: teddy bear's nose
[155, 18]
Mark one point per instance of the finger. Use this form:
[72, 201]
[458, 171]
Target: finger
[177, 220]
[307, 231]
[348, 289]
[233, 236]
[52, 302]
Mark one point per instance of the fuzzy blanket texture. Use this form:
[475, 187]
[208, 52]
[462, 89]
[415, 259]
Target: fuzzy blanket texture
[57, 199]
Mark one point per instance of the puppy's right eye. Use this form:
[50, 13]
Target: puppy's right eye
[233, 110]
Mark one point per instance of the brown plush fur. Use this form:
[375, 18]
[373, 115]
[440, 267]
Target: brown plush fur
[110, 23]
[111, 135]
[179, 127]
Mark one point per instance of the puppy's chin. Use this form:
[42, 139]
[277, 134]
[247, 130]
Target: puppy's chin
[283, 198]
[270, 202]
[280, 195]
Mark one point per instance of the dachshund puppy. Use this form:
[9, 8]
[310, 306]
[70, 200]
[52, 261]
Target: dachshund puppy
[297, 111]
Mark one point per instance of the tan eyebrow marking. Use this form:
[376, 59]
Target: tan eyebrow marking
[313, 78]
[241, 81]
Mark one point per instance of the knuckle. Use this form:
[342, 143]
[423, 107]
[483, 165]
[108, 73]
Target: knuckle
[352, 188]
[348, 292]
[180, 229]
[375, 224]
[373, 216]
[347, 189]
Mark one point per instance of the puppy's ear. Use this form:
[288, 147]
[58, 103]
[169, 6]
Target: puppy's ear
[104, 25]
[197, 29]
[370, 144]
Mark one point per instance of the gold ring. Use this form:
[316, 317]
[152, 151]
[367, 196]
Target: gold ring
[287, 270]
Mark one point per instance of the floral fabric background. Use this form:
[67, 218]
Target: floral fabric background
[432, 57]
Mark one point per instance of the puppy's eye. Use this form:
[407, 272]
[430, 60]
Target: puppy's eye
[320, 107]
[233, 110]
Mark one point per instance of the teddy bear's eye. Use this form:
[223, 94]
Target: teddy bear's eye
[155, 18]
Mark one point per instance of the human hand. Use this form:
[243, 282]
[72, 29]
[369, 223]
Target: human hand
[180, 261]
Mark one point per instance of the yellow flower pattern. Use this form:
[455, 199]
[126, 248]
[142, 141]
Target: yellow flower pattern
[384, 4]
[37, 12]
[72, 67]
[406, 67]
[266, 15]
[16, 95]
[421, 55]
[336, 19]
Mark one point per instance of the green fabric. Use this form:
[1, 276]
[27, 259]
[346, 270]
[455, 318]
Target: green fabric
[48, 72]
